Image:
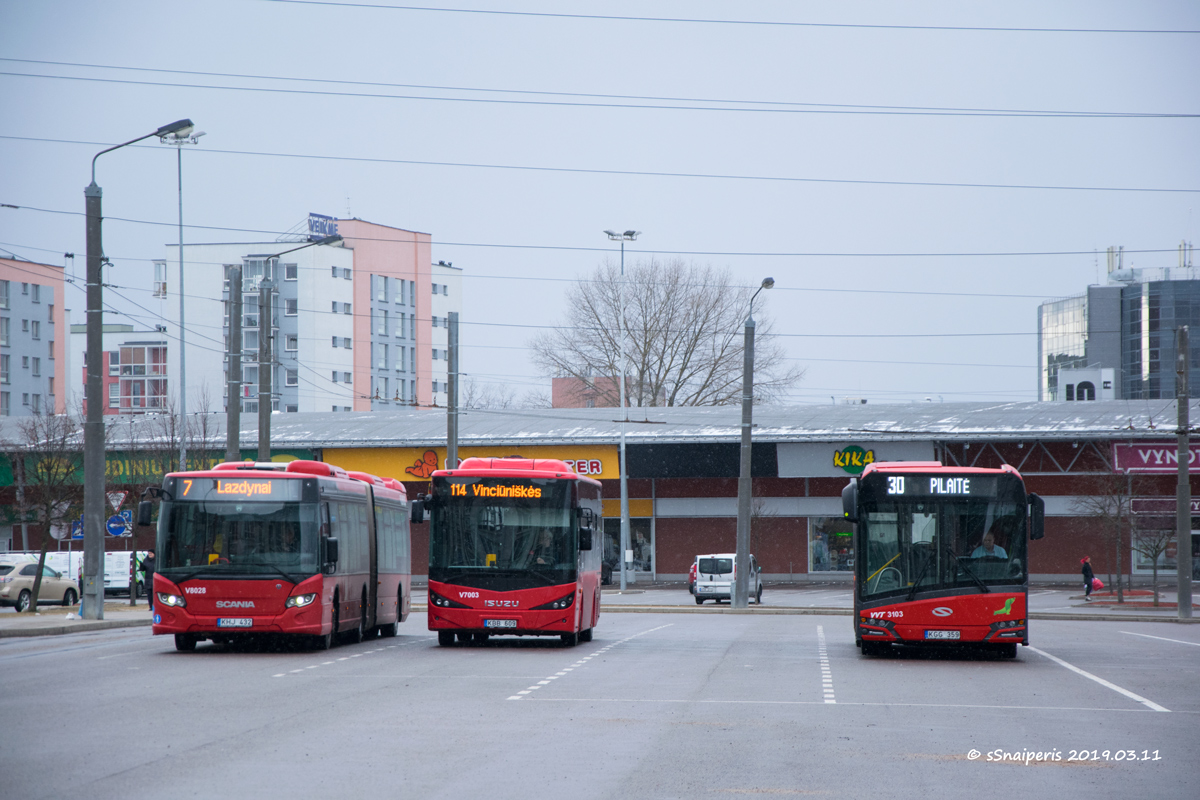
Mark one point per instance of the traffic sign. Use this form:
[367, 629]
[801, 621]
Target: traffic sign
[115, 525]
[116, 499]
[77, 529]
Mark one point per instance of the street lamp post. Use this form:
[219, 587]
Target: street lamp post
[93, 426]
[178, 139]
[266, 356]
[741, 583]
[627, 236]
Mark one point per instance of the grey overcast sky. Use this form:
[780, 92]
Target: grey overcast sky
[916, 177]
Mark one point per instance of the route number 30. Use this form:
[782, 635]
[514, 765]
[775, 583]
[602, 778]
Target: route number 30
[895, 485]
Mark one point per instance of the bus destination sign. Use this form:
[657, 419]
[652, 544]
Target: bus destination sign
[936, 485]
[514, 490]
[238, 489]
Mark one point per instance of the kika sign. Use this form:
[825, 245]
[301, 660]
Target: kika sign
[853, 459]
[1153, 457]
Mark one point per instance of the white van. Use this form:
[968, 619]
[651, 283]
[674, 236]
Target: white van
[715, 575]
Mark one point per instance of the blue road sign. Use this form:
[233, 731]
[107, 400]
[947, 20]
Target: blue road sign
[77, 529]
[127, 515]
[115, 525]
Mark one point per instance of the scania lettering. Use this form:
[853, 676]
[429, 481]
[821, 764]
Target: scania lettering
[511, 550]
[303, 549]
[942, 556]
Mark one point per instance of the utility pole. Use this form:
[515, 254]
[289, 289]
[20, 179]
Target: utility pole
[233, 408]
[264, 364]
[741, 561]
[1183, 489]
[452, 390]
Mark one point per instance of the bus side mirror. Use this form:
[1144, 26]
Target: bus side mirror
[850, 502]
[585, 538]
[145, 513]
[418, 511]
[331, 550]
[1037, 517]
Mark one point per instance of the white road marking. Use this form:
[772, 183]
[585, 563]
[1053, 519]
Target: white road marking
[355, 655]
[1161, 638]
[1148, 703]
[583, 661]
[826, 675]
[843, 703]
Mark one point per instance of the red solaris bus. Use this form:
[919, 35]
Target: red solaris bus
[941, 556]
[511, 550]
[301, 549]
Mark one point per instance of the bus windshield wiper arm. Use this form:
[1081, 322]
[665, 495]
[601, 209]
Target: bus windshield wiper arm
[920, 575]
[967, 570]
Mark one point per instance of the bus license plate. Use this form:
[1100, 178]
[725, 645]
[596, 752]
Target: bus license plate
[242, 622]
[499, 623]
[941, 634]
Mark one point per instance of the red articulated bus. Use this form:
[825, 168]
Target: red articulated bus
[941, 556]
[298, 549]
[511, 550]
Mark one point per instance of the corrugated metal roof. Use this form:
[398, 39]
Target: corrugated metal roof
[1102, 419]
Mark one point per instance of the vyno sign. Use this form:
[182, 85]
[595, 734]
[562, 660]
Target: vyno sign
[1153, 457]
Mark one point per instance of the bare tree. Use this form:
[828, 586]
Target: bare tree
[49, 457]
[1109, 504]
[473, 394]
[1152, 543]
[684, 326]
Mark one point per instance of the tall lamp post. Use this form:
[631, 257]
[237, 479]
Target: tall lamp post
[178, 139]
[627, 236]
[93, 426]
[266, 356]
[741, 583]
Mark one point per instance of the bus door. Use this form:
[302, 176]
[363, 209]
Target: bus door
[369, 613]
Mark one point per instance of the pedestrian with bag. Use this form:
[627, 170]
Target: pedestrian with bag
[1088, 577]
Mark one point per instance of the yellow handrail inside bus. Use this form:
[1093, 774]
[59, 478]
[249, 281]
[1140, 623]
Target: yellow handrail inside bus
[881, 569]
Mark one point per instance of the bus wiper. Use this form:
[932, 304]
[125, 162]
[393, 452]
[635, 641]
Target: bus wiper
[967, 570]
[913, 591]
[288, 577]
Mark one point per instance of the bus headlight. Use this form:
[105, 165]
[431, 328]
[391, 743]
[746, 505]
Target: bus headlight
[300, 600]
[557, 605]
[171, 600]
[445, 602]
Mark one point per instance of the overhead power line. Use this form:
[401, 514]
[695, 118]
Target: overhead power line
[643, 101]
[738, 22]
[641, 173]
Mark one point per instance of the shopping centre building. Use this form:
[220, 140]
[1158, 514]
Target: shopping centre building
[683, 470]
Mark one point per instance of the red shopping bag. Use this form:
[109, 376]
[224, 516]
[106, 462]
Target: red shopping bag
[1097, 584]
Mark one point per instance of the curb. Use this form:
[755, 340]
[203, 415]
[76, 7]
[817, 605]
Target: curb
[73, 627]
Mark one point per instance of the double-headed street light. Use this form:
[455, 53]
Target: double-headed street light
[93, 426]
[741, 583]
[178, 139]
[627, 236]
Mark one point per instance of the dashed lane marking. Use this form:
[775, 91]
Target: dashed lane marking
[826, 674]
[547, 681]
[354, 655]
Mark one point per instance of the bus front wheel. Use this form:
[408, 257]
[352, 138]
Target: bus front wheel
[445, 638]
[585, 636]
[185, 642]
[570, 639]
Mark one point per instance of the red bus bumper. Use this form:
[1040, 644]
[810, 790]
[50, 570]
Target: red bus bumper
[293, 621]
[527, 623]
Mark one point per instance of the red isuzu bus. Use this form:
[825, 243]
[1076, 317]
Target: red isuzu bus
[302, 549]
[511, 550]
[941, 556]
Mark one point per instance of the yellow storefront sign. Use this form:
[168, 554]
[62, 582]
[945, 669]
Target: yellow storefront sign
[417, 464]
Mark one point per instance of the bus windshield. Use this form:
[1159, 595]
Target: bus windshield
[918, 543]
[216, 538]
[502, 534]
